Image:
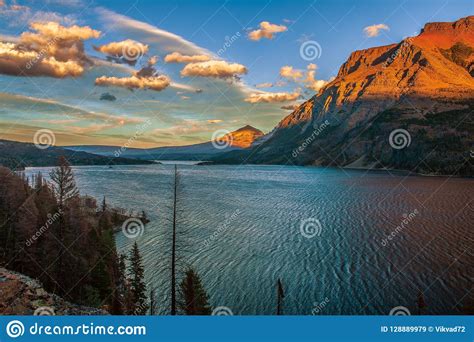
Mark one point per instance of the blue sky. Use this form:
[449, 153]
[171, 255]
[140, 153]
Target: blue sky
[186, 107]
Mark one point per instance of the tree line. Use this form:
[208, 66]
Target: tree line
[50, 232]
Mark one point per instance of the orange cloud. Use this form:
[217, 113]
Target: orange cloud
[374, 30]
[272, 97]
[177, 57]
[53, 50]
[157, 83]
[291, 74]
[128, 50]
[264, 85]
[267, 30]
[311, 82]
[217, 69]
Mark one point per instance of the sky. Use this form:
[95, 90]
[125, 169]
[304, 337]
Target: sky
[165, 73]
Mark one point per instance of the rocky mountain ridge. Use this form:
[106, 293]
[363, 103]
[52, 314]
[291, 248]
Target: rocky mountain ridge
[423, 85]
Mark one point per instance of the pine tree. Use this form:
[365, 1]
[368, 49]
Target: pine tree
[64, 184]
[194, 298]
[137, 284]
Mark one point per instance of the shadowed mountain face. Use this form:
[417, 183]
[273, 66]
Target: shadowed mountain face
[17, 155]
[407, 106]
[239, 139]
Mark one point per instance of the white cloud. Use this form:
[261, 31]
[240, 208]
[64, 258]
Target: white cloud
[374, 30]
[169, 41]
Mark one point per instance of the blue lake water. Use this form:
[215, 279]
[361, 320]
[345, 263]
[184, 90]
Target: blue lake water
[323, 232]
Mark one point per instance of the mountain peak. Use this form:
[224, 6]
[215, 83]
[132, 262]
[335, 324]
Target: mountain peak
[463, 24]
[243, 137]
[248, 128]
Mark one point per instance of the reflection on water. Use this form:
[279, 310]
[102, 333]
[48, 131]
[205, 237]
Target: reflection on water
[376, 239]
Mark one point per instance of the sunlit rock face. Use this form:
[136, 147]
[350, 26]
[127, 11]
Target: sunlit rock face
[424, 84]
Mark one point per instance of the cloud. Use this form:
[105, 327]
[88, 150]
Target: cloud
[290, 107]
[311, 82]
[291, 74]
[167, 40]
[145, 78]
[53, 50]
[157, 83]
[2, 3]
[374, 30]
[217, 69]
[264, 85]
[214, 121]
[107, 97]
[177, 57]
[127, 51]
[267, 30]
[272, 97]
[16, 15]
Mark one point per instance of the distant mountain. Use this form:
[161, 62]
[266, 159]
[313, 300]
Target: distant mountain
[239, 139]
[17, 155]
[405, 106]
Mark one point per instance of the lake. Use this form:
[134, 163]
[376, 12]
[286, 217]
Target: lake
[341, 241]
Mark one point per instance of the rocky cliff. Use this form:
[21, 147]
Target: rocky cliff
[406, 106]
[21, 295]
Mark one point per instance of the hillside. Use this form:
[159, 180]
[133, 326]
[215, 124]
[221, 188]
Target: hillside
[22, 295]
[423, 85]
[239, 139]
[17, 155]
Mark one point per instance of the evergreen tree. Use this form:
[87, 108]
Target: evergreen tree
[194, 298]
[137, 284]
[64, 184]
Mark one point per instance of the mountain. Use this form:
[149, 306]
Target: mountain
[404, 106]
[17, 155]
[239, 139]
